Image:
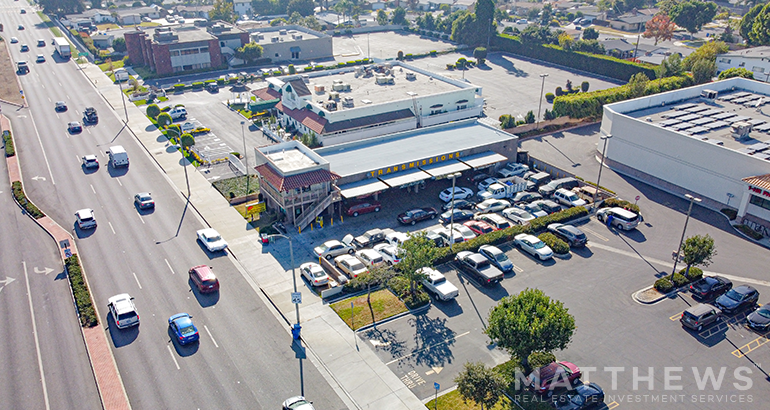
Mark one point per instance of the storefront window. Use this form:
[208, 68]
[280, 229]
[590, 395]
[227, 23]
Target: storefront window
[760, 202]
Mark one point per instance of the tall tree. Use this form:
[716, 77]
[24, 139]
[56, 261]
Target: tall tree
[698, 250]
[222, 10]
[249, 52]
[62, 7]
[703, 71]
[708, 51]
[747, 22]
[303, 7]
[590, 33]
[693, 14]
[637, 85]
[419, 252]
[670, 66]
[465, 30]
[481, 384]
[660, 28]
[399, 16]
[530, 321]
[382, 17]
[760, 29]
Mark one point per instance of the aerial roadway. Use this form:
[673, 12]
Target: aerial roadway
[244, 358]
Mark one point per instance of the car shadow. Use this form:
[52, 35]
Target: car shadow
[148, 211]
[117, 172]
[121, 337]
[204, 299]
[211, 255]
[584, 252]
[89, 171]
[83, 233]
[182, 350]
[494, 292]
[711, 335]
[549, 262]
[448, 307]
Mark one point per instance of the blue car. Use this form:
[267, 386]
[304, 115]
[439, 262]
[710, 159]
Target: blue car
[184, 329]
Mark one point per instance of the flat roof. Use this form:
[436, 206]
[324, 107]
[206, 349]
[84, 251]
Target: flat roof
[291, 160]
[267, 36]
[381, 152]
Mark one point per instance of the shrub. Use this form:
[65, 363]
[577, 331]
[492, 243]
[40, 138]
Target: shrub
[21, 198]
[679, 280]
[694, 274]
[557, 245]
[179, 87]
[197, 84]
[663, 285]
[80, 291]
[507, 121]
[620, 203]
[292, 70]
[584, 86]
[210, 81]
[8, 141]
[549, 97]
[730, 213]
[749, 232]
[539, 359]
[559, 92]
[538, 224]
[164, 120]
[400, 55]
[220, 81]
[153, 111]
[400, 286]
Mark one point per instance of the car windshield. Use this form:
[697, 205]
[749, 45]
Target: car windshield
[213, 238]
[572, 198]
[500, 257]
[538, 244]
[145, 198]
[577, 400]
[357, 266]
[125, 316]
[318, 273]
[764, 313]
[439, 281]
[580, 236]
[732, 294]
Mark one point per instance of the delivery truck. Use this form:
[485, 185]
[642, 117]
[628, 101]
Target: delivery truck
[62, 47]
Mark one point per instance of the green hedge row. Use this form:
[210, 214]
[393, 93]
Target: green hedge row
[599, 64]
[678, 279]
[21, 198]
[557, 245]
[619, 203]
[80, 290]
[589, 105]
[8, 142]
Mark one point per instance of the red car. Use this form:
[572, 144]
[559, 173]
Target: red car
[480, 227]
[203, 278]
[547, 378]
[363, 208]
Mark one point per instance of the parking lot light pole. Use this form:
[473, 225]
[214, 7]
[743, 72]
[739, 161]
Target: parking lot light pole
[601, 165]
[452, 214]
[681, 240]
[540, 104]
[246, 157]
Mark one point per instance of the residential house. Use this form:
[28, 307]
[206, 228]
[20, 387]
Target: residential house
[755, 59]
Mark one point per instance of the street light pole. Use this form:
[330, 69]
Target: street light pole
[122, 94]
[681, 240]
[245, 156]
[601, 165]
[540, 104]
[293, 275]
[452, 215]
[187, 180]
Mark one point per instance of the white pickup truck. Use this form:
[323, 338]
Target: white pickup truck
[437, 284]
[504, 188]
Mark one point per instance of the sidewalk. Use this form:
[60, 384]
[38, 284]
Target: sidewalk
[358, 376]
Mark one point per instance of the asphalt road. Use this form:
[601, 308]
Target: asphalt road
[245, 357]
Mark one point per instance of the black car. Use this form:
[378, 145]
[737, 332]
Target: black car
[90, 116]
[478, 266]
[475, 179]
[583, 397]
[458, 204]
[759, 319]
[735, 299]
[709, 287]
[459, 216]
[570, 234]
[526, 197]
[416, 215]
[212, 88]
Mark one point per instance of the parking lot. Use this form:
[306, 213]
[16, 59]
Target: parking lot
[385, 45]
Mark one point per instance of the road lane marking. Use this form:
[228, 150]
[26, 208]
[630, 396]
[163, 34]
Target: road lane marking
[173, 357]
[751, 346]
[45, 157]
[110, 224]
[140, 217]
[92, 188]
[37, 341]
[119, 183]
[137, 280]
[426, 348]
[169, 267]
[212, 337]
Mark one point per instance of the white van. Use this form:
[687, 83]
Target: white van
[118, 156]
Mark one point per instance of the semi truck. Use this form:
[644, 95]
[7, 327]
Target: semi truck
[62, 47]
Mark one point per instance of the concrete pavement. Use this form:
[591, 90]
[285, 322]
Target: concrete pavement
[360, 379]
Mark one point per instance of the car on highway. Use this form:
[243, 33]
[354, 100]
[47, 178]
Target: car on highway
[518, 215]
[583, 397]
[759, 319]
[143, 200]
[363, 208]
[40, 42]
[332, 248]
[525, 197]
[183, 328]
[123, 310]
[700, 315]
[21, 27]
[390, 253]
[350, 265]
[60, 106]
[742, 297]
[14, 40]
[74, 127]
[492, 205]
[709, 287]
[459, 193]
[457, 215]
[40, 58]
[458, 204]
[24, 48]
[297, 403]
[23, 11]
[85, 218]
[533, 246]
[202, 276]
[621, 218]
[370, 257]
[554, 375]
[479, 227]
[497, 257]
[415, 215]
[478, 266]
[211, 239]
[314, 274]
[570, 234]
[90, 161]
[90, 116]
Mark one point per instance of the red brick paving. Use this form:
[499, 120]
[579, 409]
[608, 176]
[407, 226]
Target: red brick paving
[108, 380]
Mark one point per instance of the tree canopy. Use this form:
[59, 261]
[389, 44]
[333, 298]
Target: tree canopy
[698, 250]
[590, 33]
[249, 52]
[660, 28]
[481, 384]
[222, 10]
[736, 72]
[670, 66]
[419, 252]
[693, 14]
[399, 16]
[708, 51]
[303, 7]
[62, 7]
[755, 25]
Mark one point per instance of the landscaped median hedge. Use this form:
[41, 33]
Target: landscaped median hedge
[21, 198]
[80, 290]
[8, 142]
[681, 278]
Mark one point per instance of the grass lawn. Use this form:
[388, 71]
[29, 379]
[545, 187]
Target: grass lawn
[453, 401]
[384, 305]
[115, 65]
[237, 186]
[107, 26]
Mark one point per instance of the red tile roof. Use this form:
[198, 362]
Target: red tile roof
[761, 181]
[304, 179]
[267, 94]
[305, 117]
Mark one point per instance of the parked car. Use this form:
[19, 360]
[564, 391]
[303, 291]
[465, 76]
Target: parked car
[495, 220]
[512, 169]
[459, 193]
[202, 276]
[458, 204]
[547, 378]
[369, 238]
[492, 205]
[370, 257]
[90, 161]
[534, 209]
[463, 230]
[583, 397]
[759, 319]
[144, 200]
[449, 236]
[547, 206]
[416, 215]
[333, 248]
[314, 273]
[350, 265]
[709, 287]
[525, 197]
[390, 253]
[483, 185]
[183, 328]
[533, 245]
[85, 218]
[212, 240]
[700, 315]
[475, 179]
[518, 215]
[74, 127]
[478, 265]
[566, 183]
[621, 218]
[459, 216]
[363, 208]
[480, 227]
[434, 235]
[570, 234]
[123, 310]
[435, 282]
[742, 297]
[497, 257]
[568, 198]
[297, 403]
[396, 238]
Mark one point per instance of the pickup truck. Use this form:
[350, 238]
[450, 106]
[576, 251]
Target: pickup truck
[369, 238]
[90, 116]
[504, 188]
[434, 282]
[478, 266]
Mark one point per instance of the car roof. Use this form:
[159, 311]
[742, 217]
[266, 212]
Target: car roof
[84, 213]
[526, 236]
[699, 309]
[89, 157]
[208, 232]
[182, 319]
[122, 303]
[491, 249]
[143, 194]
[744, 289]
[476, 257]
[204, 272]
[623, 212]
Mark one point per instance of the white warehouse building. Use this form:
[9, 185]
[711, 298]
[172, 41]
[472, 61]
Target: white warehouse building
[709, 140]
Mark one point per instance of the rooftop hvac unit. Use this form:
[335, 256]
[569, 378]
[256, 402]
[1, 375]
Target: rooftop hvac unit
[319, 89]
[348, 102]
[334, 95]
[298, 36]
[740, 130]
[340, 87]
[274, 39]
[282, 32]
[330, 106]
[384, 80]
[337, 81]
[709, 94]
[411, 76]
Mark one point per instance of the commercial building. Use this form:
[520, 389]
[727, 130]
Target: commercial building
[756, 60]
[709, 140]
[291, 43]
[354, 103]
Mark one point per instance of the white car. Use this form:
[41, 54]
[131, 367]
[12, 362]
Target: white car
[568, 198]
[533, 245]
[188, 127]
[513, 169]
[396, 238]
[333, 248]
[314, 273]
[90, 161]
[460, 193]
[212, 240]
[463, 230]
[390, 253]
[370, 257]
[518, 215]
[492, 205]
[297, 402]
[86, 218]
[123, 311]
[483, 185]
[14, 40]
[436, 283]
[350, 265]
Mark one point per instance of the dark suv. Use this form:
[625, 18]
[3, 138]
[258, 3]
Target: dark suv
[90, 115]
[700, 315]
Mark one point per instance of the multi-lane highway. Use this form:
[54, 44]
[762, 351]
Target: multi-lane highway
[244, 358]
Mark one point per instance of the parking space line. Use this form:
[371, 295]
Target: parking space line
[518, 269]
[751, 346]
[426, 348]
[613, 405]
[675, 317]
[212, 337]
[172, 357]
[594, 233]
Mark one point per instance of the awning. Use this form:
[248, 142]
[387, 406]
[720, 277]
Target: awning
[365, 187]
[404, 178]
[440, 169]
[483, 159]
